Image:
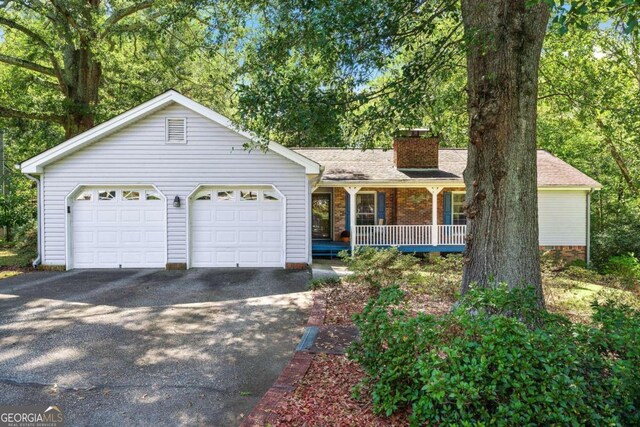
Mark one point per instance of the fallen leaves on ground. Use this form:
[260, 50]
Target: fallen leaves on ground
[345, 300]
[324, 397]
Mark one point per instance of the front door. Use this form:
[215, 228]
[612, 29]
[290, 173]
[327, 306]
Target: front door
[321, 208]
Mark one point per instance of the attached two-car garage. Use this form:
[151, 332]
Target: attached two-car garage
[125, 227]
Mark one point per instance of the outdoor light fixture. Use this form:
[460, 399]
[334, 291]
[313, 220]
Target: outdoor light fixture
[176, 202]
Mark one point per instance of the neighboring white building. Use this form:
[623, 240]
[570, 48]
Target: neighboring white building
[170, 184]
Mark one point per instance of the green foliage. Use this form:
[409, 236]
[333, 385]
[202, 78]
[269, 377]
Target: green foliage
[477, 365]
[26, 240]
[381, 267]
[440, 277]
[626, 267]
[323, 282]
[347, 72]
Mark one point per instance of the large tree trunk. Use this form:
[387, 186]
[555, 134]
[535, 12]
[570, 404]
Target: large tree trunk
[504, 46]
[82, 75]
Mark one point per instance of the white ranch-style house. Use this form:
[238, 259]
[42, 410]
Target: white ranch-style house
[169, 184]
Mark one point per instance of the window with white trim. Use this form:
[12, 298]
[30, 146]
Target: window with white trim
[458, 217]
[106, 194]
[225, 195]
[270, 195]
[176, 130]
[249, 195]
[152, 195]
[86, 196]
[130, 195]
[366, 209]
[203, 195]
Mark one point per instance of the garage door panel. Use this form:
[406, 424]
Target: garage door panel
[129, 216]
[131, 236]
[107, 237]
[107, 216]
[272, 257]
[203, 237]
[248, 215]
[116, 233]
[271, 237]
[227, 257]
[156, 237]
[225, 237]
[248, 236]
[248, 257]
[271, 216]
[225, 215]
[248, 233]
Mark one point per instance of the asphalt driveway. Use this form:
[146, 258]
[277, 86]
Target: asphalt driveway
[148, 347]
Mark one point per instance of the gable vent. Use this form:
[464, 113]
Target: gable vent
[177, 130]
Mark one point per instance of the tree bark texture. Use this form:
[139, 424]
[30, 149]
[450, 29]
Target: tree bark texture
[504, 45]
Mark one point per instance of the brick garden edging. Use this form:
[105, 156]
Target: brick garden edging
[262, 414]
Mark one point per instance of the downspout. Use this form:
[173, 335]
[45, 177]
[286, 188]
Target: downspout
[36, 262]
[589, 227]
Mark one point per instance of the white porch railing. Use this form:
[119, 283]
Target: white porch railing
[407, 235]
[451, 234]
[392, 235]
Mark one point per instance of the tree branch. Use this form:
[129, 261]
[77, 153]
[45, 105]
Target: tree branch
[42, 42]
[22, 63]
[119, 15]
[17, 114]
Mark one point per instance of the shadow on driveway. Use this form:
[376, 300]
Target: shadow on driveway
[148, 347]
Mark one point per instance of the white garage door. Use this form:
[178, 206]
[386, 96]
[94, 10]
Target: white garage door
[237, 227]
[118, 228]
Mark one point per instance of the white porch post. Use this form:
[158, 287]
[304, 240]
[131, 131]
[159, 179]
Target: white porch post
[434, 214]
[352, 215]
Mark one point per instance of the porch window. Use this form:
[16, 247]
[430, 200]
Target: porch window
[458, 216]
[366, 209]
[321, 217]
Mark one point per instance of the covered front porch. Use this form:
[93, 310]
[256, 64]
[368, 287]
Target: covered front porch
[413, 219]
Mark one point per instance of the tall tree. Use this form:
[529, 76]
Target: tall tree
[503, 53]
[64, 52]
[366, 65]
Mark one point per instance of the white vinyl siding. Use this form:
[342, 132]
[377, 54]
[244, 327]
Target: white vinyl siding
[139, 154]
[562, 217]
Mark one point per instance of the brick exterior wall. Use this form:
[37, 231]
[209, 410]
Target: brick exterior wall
[567, 253]
[404, 206]
[340, 196]
[415, 152]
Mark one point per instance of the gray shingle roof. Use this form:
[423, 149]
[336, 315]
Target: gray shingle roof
[377, 165]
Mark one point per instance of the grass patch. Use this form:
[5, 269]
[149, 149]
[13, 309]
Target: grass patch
[10, 258]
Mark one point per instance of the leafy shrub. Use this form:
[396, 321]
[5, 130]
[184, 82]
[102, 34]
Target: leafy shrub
[618, 237]
[26, 239]
[441, 277]
[323, 282]
[478, 365]
[381, 267]
[626, 267]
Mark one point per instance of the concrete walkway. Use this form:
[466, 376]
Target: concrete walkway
[323, 268]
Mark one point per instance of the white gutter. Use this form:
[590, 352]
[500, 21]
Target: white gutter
[38, 259]
[589, 227]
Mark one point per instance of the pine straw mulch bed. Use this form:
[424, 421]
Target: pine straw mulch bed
[324, 397]
[349, 298]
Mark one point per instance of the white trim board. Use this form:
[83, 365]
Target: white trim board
[35, 165]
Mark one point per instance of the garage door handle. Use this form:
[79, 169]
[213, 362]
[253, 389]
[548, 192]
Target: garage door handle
[68, 209]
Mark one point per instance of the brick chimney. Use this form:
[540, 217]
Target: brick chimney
[415, 149]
